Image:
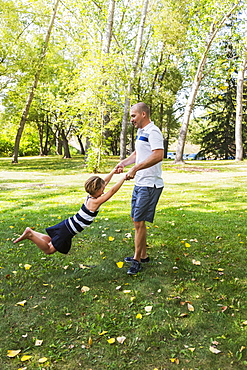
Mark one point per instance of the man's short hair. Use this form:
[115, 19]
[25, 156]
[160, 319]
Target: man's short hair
[142, 107]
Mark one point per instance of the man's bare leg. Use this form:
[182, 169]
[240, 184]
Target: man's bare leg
[42, 241]
[140, 240]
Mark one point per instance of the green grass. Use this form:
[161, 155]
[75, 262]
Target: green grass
[201, 218]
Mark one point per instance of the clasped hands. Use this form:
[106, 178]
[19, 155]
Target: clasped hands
[129, 175]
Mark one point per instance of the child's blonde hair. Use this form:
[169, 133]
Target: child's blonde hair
[93, 184]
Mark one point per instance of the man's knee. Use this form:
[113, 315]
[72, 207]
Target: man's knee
[139, 225]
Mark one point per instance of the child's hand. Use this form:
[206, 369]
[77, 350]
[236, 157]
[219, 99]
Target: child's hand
[119, 168]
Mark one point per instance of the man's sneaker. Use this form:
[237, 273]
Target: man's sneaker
[143, 260]
[134, 268]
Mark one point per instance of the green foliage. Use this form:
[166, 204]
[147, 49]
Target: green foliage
[6, 147]
[215, 130]
[80, 85]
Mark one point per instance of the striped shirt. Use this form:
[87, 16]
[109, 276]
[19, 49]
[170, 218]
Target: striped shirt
[81, 219]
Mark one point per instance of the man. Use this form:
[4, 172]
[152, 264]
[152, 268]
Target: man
[148, 155]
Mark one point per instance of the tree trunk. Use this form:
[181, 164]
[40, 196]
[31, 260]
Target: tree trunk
[239, 110]
[133, 73]
[59, 143]
[108, 32]
[195, 86]
[82, 150]
[65, 145]
[34, 86]
[123, 133]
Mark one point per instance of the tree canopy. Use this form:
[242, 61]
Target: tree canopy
[101, 53]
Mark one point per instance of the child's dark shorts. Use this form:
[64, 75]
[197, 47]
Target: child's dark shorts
[61, 238]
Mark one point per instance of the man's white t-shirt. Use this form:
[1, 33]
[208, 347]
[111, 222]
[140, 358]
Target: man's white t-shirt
[148, 139]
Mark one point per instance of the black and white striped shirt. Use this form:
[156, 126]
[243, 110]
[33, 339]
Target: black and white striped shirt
[81, 219]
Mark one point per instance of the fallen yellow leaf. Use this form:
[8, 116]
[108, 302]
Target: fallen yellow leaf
[85, 289]
[25, 358]
[111, 238]
[13, 353]
[139, 316]
[187, 245]
[245, 322]
[42, 360]
[22, 303]
[38, 342]
[103, 332]
[175, 360]
[111, 340]
[196, 262]
[83, 267]
[90, 341]
[190, 307]
[120, 264]
[121, 339]
[214, 350]
[27, 266]
[183, 315]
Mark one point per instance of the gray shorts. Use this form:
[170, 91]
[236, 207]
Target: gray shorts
[144, 201]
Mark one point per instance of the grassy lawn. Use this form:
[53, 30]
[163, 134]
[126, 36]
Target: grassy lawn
[186, 310]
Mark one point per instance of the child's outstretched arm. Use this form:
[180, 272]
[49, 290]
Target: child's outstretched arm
[109, 176]
[103, 198]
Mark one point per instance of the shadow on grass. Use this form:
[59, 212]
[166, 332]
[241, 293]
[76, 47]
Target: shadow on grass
[57, 164]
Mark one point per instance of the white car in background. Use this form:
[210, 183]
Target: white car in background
[171, 155]
[185, 156]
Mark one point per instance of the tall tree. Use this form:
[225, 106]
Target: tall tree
[34, 85]
[109, 27]
[131, 79]
[214, 29]
[216, 136]
[239, 108]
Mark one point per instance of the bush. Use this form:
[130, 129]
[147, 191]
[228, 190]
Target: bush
[6, 147]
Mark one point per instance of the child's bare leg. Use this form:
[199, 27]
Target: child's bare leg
[42, 241]
[28, 233]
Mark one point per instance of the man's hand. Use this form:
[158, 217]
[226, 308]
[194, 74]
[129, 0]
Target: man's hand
[131, 174]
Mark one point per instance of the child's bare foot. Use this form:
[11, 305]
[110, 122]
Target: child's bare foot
[26, 235]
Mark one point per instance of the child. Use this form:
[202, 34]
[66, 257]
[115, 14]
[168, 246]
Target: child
[60, 236]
